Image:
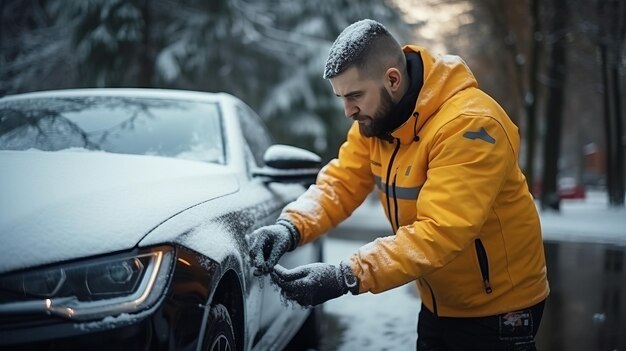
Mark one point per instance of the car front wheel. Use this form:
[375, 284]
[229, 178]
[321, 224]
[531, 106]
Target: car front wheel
[219, 335]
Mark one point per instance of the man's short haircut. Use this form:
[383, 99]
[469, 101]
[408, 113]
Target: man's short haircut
[367, 45]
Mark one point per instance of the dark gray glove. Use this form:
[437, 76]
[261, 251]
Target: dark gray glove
[270, 244]
[315, 283]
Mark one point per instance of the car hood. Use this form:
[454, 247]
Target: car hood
[57, 206]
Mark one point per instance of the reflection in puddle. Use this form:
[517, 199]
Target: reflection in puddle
[586, 309]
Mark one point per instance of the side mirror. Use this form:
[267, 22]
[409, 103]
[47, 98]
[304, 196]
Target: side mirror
[289, 164]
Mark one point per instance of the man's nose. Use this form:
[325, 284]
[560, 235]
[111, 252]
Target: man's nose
[350, 109]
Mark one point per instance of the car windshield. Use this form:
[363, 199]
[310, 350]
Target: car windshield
[127, 125]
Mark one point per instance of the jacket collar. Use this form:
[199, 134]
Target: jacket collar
[443, 76]
[402, 111]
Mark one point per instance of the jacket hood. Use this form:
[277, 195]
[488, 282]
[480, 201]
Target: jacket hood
[444, 76]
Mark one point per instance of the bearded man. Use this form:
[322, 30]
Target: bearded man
[442, 156]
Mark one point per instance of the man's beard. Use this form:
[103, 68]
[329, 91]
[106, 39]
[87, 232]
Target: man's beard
[379, 124]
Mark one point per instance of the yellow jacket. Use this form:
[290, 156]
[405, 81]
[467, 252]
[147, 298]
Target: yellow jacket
[466, 227]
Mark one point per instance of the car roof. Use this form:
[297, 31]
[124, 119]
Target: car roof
[127, 92]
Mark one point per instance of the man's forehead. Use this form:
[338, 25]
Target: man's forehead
[347, 82]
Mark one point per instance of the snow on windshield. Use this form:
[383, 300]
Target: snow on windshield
[161, 127]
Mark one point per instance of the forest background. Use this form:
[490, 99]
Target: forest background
[556, 66]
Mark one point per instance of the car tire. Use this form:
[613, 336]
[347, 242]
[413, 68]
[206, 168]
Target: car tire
[220, 335]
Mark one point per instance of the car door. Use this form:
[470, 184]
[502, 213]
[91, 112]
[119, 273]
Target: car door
[278, 318]
[258, 140]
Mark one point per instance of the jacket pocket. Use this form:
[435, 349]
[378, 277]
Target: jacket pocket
[483, 262]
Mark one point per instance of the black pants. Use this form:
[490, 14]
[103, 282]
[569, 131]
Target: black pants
[514, 331]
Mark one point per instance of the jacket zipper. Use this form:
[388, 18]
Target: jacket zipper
[483, 262]
[393, 156]
[395, 201]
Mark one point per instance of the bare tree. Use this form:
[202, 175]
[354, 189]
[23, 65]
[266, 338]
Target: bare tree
[612, 33]
[532, 94]
[557, 68]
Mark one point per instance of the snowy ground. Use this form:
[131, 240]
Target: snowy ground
[388, 321]
[589, 220]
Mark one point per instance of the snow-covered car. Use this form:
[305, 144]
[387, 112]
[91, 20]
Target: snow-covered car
[125, 222]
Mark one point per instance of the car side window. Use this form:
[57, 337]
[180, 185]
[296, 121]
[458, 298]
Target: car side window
[255, 133]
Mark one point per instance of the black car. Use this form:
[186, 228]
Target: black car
[125, 217]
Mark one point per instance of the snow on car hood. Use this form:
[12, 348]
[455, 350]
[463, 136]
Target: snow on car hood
[58, 206]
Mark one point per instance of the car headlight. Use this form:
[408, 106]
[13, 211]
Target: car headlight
[90, 289]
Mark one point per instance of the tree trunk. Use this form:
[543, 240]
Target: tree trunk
[146, 54]
[606, 103]
[556, 75]
[618, 194]
[612, 33]
[530, 100]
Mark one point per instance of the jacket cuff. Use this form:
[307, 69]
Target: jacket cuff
[350, 280]
[294, 233]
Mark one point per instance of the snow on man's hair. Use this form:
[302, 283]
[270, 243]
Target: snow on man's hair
[350, 44]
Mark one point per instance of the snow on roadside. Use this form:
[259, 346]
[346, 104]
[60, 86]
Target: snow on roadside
[588, 220]
[386, 321]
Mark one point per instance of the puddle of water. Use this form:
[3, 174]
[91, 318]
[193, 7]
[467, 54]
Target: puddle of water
[586, 309]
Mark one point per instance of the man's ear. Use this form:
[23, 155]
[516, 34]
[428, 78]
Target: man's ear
[393, 79]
